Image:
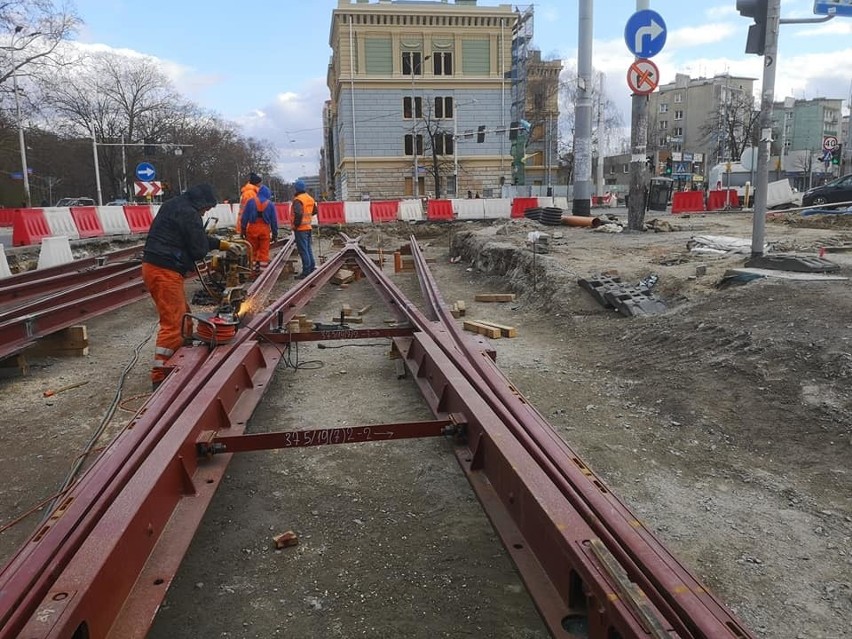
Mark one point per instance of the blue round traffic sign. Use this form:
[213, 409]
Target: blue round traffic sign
[645, 33]
[145, 172]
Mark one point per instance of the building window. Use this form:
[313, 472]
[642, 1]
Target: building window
[443, 143]
[406, 108]
[443, 107]
[678, 115]
[412, 63]
[664, 139]
[677, 131]
[612, 169]
[678, 98]
[664, 125]
[664, 108]
[625, 168]
[408, 146]
[442, 63]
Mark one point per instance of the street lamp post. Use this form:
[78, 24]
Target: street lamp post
[27, 198]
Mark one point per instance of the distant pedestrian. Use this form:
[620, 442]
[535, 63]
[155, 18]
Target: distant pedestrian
[260, 225]
[248, 191]
[470, 195]
[304, 207]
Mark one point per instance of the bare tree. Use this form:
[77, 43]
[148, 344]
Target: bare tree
[35, 29]
[608, 138]
[734, 127]
[438, 143]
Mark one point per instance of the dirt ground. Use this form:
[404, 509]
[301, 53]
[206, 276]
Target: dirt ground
[723, 423]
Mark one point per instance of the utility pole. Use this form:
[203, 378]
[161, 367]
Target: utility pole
[847, 147]
[583, 114]
[599, 167]
[767, 98]
[638, 146]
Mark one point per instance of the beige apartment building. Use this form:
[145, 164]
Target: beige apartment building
[420, 99]
[699, 118]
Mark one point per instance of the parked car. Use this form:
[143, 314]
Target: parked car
[116, 203]
[75, 201]
[839, 190]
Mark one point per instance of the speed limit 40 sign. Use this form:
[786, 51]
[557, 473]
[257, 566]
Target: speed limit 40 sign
[829, 143]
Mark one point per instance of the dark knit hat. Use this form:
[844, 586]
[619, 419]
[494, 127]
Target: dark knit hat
[254, 178]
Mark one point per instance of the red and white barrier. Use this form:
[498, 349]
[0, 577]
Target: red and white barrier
[31, 226]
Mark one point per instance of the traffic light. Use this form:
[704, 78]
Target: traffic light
[668, 166]
[756, 41]
[836, 154]
[480, 134]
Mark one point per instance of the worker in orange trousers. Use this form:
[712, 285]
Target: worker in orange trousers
[260, 225]
[176, 240]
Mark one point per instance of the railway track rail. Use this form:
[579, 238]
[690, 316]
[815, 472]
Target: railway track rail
[101, 564]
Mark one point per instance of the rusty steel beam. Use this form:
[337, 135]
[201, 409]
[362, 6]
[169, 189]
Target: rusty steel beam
[87, 283]
[103, 560]
[325, 436]
[71, 268]
[18, 292]
[280, 336]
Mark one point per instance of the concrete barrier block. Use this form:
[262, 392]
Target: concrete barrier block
[54, 251]
[357, 212]
[497, 208]
[411, 211]
[469, 209]
[61, 222]
[5, 271]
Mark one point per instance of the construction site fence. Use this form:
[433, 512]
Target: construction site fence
[32, 225]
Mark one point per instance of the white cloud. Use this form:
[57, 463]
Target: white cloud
[293, 124]
[840, 27]
[721, 11]
[698, 36]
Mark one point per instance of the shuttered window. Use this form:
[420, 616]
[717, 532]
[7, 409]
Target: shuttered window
[378, 54]
[476, 56]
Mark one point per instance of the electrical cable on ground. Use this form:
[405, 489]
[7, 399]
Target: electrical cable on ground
[90, 445]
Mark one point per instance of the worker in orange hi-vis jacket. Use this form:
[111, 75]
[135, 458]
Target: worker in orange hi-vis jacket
[176, 240]
[260, 225]
[247, 192]
[303, 209]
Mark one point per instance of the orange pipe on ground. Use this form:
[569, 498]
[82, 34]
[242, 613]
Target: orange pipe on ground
[581, 220]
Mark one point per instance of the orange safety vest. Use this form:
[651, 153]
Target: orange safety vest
[309, 209]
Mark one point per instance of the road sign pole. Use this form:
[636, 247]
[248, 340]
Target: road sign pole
[638, 146]
[97, 166]
[582, 203]
[767, 97]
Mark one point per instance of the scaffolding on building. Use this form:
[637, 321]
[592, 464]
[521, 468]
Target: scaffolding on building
[522, 36]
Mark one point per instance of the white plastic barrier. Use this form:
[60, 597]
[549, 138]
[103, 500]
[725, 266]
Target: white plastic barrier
[54, 251]
[545, 201]
[4, 264]
[411, 211]
[113, 220]
[470, 209]
[357, 212]
[226, 217]
[60, 222]
[561, 202]
[497, 208]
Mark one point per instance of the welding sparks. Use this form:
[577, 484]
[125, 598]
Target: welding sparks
[249, 305]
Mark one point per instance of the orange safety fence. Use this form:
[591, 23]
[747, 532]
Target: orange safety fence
[282, 213]
[29, 227]
[139, 217]
[384, 210]
[687, 202]
[87, 221]
[718, 200]
[439, 210]
[521, 204]
[331, 213]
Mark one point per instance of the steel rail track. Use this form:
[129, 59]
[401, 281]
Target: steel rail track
[100, 566]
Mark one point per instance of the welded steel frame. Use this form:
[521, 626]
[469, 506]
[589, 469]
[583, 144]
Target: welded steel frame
[104, 559]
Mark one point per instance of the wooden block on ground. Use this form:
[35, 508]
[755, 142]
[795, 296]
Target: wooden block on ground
[346, 309]
[14, 366]
[364, 309]
[350, 319]
[343, 276]
[460, 305]
[482, 329]
[505, 331]
[495, 297]
[72, 341]
[455, 312]
[294, 326]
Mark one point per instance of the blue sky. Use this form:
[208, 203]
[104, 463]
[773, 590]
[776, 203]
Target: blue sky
[263, 64]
